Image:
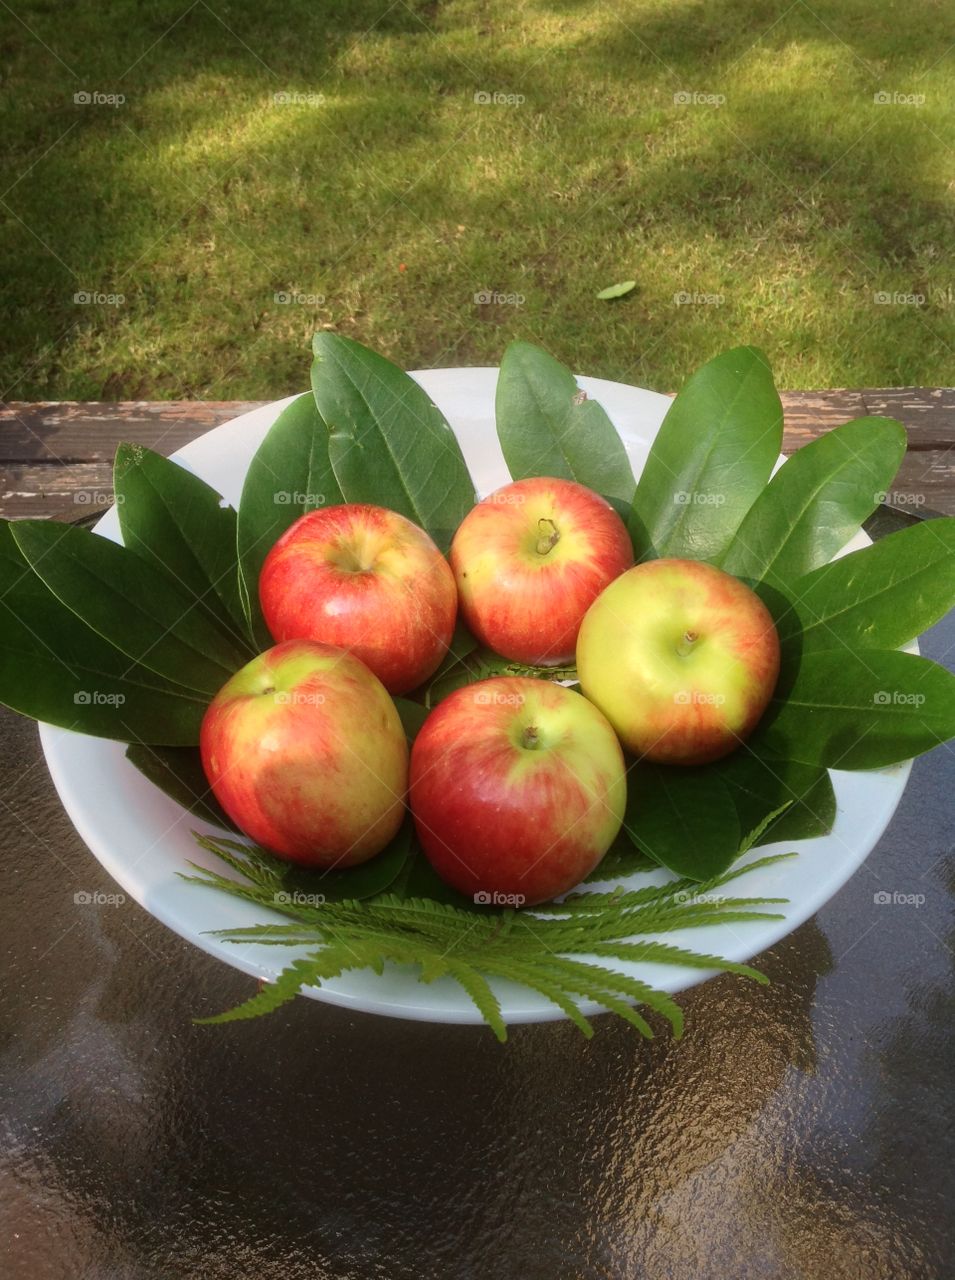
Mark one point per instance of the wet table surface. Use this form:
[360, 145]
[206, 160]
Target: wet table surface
[798, 1130]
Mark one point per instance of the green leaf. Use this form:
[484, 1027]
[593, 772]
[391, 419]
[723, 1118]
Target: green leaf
[375, 876]
[55, 668]
[529, 947]
[762, 786]
[816, 502]
[711, 458]
[684, 818]
[755, 837]
[622, 859]
[441, 686]
[860, 710]
[413, 716]
[877, 598]
[481, 994]
[813, 814]
[547, 426]
[420, 880]
[180, 525]
[289, 475]
[616, 290]
[388, 444]
[462, 645]
[269, 997]
[178, 773]
[290, 888]
[137, 608]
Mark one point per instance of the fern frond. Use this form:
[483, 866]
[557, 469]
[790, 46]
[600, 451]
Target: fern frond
[475, 984]
[553, 949]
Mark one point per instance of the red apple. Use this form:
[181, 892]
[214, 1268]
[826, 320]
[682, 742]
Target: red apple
[304, 750]
[530, 560]
[681, 658]
[517, 789]
[367, 580]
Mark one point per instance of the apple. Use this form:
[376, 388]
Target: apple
[681, 658]
[517, 789]
[530, 560]
[367, 580]
[304, 750]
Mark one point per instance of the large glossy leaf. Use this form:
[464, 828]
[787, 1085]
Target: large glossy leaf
[451, 669]
[412, 715]
[289, 475]
[419, 879]
[711, 458]
[375, 876]
[181, 526]
[547, 427]
[861, 710]
[683, 818]
[622, 859]
[879, 597]
[816, 502]
[178, 772]
[55, 668]
[761, 785]
[388, 443]
[137, 608]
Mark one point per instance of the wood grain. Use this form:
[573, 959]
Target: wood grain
[55, 457]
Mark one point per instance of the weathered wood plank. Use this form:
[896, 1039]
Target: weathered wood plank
[65, 493]
[807, 414]
[67, 432]
[927, 413]
[926, 478]
[55, 457]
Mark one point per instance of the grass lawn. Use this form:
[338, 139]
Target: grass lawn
[280, 167]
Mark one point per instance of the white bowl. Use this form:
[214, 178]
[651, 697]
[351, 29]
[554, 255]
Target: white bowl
[143, 838]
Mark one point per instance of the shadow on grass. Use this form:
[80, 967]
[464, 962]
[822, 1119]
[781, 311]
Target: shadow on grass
[398, 154]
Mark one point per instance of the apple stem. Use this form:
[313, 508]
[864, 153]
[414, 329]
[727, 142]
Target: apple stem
[547, 541]
[529, 738]
[686, 644]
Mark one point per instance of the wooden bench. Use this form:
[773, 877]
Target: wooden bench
[56, 458]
